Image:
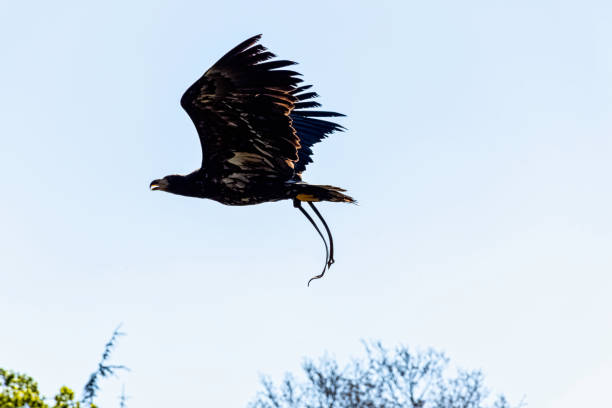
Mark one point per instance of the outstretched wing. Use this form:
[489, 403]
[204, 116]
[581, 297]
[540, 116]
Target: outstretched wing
[241, 109]
[309, 129]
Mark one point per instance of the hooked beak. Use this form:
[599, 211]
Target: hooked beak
[160, 184]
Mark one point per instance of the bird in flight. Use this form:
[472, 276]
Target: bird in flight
[256, 130]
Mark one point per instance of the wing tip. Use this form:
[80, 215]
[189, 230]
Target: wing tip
[244, 45]
[254, 38]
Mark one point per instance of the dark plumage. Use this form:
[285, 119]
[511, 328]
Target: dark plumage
[256, 133]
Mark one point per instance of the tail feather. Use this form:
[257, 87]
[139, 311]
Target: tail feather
[313, 192]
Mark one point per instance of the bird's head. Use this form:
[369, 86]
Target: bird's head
[160, 184]
[171, 184]
[176, 184]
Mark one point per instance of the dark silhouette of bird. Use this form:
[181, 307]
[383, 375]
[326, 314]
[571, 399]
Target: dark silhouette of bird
[256, 130]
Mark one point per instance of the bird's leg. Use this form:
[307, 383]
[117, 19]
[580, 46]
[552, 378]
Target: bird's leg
[297, 204]
[329, 235]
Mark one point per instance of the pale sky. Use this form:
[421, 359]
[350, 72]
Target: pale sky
[478, 145]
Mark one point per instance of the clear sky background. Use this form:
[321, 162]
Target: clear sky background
[479, 146]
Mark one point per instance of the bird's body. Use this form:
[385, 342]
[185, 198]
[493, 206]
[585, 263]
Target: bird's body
[256, 134]
[235, 190]
[239, 189]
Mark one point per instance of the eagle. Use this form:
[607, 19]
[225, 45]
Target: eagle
[257, 128]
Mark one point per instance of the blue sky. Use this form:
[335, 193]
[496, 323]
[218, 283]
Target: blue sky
[478, 145]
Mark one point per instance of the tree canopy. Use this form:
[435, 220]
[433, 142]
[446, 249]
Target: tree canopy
[21, 391]
[399, 378]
